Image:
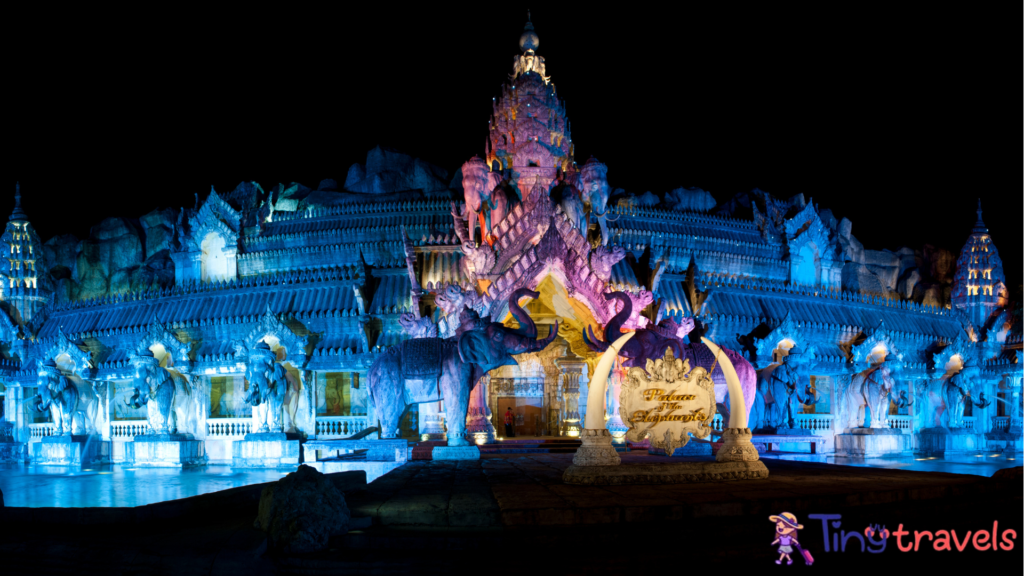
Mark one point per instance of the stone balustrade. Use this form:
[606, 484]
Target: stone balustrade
[968, 422]
[820, 424]
[716, 422]
[901, 423]
[328, 427]
[40, 430]
[127, 429]
[228, 428]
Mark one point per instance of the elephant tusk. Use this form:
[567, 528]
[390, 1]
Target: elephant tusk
[595, 396]
[737, 406]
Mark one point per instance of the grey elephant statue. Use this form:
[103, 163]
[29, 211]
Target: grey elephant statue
[166, 396]
[777, 388]
[869, 392]
[268, 386]
[57, 394]
[431, 369]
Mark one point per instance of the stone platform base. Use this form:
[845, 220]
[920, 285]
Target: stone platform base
[1005, 441]
[68, 451]
[692, 448]
[387, 450]
[873, 442]
[165, 451]
[940, 441]
[669, 473]
[13, 452]
[265, 450]
[455, 453]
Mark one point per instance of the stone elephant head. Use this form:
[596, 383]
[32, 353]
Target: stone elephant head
[490, 345]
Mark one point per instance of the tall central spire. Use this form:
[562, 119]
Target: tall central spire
[18, 215]
[979, 226]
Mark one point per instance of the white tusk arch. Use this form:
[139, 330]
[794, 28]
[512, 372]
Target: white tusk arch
[598, 384]
[737, 406]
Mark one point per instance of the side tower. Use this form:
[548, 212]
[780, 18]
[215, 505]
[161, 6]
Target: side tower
[22, 251]
[979, 286]
[529, 131]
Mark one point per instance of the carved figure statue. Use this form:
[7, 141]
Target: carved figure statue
[483, 208]
[956, 393]
[651, 343]
[778, 386]
[567, 196]
[593, 178]
[431, 369]
[477, 259]
[167, 396]
[453, 299]
[869, 391]
[268, 386]
[603, 258]
[57, 394]
[903, 402]
[417, 327]
[529, 62]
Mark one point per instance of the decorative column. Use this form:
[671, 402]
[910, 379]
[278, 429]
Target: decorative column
[478, 421]
[571, 371]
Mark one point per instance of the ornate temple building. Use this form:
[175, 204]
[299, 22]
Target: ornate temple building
[329, 278]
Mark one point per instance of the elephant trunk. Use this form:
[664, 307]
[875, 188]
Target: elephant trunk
[527, 327]
[538, 345]
[612, 330]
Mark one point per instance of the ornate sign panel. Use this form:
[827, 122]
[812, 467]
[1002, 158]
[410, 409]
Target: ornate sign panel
[667, 402]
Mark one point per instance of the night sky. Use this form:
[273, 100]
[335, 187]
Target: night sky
[896, 120]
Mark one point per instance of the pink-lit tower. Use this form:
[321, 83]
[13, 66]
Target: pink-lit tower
[529, 131]
[979, 286]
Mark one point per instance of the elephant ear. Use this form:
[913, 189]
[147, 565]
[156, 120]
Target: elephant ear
[493, 180]
[473, 347]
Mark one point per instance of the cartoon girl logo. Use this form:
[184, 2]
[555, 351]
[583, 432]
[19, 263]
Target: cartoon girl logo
[786, 526]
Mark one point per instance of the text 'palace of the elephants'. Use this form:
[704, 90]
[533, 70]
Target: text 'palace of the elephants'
[408, 304]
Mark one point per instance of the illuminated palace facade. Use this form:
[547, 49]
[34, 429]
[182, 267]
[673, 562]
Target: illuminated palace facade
[330, 277]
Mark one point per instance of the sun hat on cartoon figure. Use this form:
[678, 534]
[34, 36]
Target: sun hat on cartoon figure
[788, 519]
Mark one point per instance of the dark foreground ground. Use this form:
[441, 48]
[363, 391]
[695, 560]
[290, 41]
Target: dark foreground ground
[512, 514]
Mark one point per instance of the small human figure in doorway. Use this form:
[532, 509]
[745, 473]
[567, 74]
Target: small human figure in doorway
[510, 419]
[786, 526]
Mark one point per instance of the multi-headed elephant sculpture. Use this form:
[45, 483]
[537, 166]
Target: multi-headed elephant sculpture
[431, 369]
[268, 386]
[167, 397]
[779, 386]
[57, 394]
[651, 343]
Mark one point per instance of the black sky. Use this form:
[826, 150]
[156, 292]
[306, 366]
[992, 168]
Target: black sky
[895, 118]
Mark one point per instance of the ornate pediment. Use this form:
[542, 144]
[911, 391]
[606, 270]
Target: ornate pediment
[879, 335]
[789, 329]
[807, 227]
[157, 333]
[271, 325]
[215, 215]
[81, 358]
[961, 347]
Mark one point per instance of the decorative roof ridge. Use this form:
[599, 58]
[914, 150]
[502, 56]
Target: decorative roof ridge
[307, 275]
[651, 212]
[256, 240]
[709, 279]
[356, 207]
[320, 248]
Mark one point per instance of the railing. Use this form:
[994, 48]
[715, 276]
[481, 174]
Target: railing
[716, 422]
[968, 422]
[820, 424]
[1001, 423]
[899, 422]
[228, 428]
[339, 426]
[43, 429]
[127, 429]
